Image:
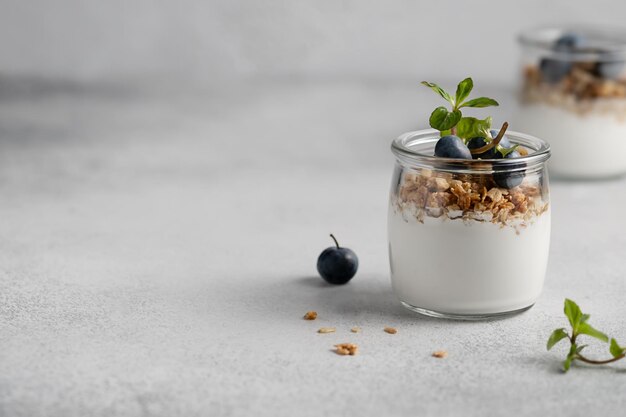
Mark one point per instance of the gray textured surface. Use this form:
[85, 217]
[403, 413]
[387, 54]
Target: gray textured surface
[158, 252]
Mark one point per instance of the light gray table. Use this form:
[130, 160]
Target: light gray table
[158, 252]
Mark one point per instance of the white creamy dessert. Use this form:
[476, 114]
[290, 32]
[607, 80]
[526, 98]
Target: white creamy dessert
[571, 134]
[466, 267]
[467, 248]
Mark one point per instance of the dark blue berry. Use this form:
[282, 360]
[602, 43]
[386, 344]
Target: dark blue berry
[337, 265]
[570, 42]
[554, 70]
[509, 179]
[452, 147]
[478, 142]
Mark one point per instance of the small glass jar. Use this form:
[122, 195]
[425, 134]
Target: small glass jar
[573, 94]
[468, 239]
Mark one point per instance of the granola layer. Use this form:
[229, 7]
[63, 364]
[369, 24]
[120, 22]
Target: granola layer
[468, 198]
[580, 91]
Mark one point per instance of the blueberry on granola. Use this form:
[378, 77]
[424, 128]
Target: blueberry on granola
[337, 265]
[514, 175]
[479, 142]
[554, 70]
[452, 147]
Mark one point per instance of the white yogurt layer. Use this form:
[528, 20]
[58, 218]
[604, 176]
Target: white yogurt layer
[467, 267]
[574, 140]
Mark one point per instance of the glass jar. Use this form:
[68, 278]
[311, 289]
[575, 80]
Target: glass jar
[468, 239]
[573, 94]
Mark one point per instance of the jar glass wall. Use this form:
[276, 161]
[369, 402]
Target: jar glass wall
[468, 238]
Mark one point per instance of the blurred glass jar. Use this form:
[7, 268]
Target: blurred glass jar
[573, 94]
[468, 239]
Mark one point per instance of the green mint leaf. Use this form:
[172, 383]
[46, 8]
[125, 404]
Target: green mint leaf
[445, 132]
[615, 349]
[463, 89]
[556, 337]
[480, 102]
[439, 91]
[585, 317]
[505, 151]
[585, 328]
[442, 119]
[471, 127]
[573, 313]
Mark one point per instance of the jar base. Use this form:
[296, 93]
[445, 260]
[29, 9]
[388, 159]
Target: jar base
[467, 317]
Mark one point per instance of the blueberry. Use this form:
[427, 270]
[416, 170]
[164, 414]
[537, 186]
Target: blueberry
[570, 42]
[504, 142]
[452, 147]
[337, 265]
[509, 179]
[554, 70]
[478, 142]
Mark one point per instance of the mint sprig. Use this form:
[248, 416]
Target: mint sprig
[452, 121]
[580, 326]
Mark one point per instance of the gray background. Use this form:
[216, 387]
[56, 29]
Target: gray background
[169, 172]
[209, 41]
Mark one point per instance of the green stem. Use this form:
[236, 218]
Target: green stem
[336, 243]
[494, 142]
[594, 362]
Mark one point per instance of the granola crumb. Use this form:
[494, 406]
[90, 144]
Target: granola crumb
[346, 349]
[441, 354]
[391, 330]
[355, 330]
[327, 330]
[310, 315]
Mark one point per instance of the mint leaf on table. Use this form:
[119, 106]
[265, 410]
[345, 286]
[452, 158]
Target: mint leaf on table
[585, 328]
[573, 313]
[442, 119]
[463, 90]
[480, 102]
[578, 322]
[556, 337]
[615, 349]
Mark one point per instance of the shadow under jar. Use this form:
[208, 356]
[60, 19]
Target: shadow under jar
[573, 94]
[468, 239]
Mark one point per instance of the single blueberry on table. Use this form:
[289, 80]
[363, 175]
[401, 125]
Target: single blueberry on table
[337, 265]
[509, 179]
[478, 142]
[452, 147]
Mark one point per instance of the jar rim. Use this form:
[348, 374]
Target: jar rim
[604, 43]
[404, 148]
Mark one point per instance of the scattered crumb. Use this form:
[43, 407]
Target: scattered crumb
[391, 330]
[346, 349]
[327, 330]
[441, 354]
[355, 329]
[310, 315]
